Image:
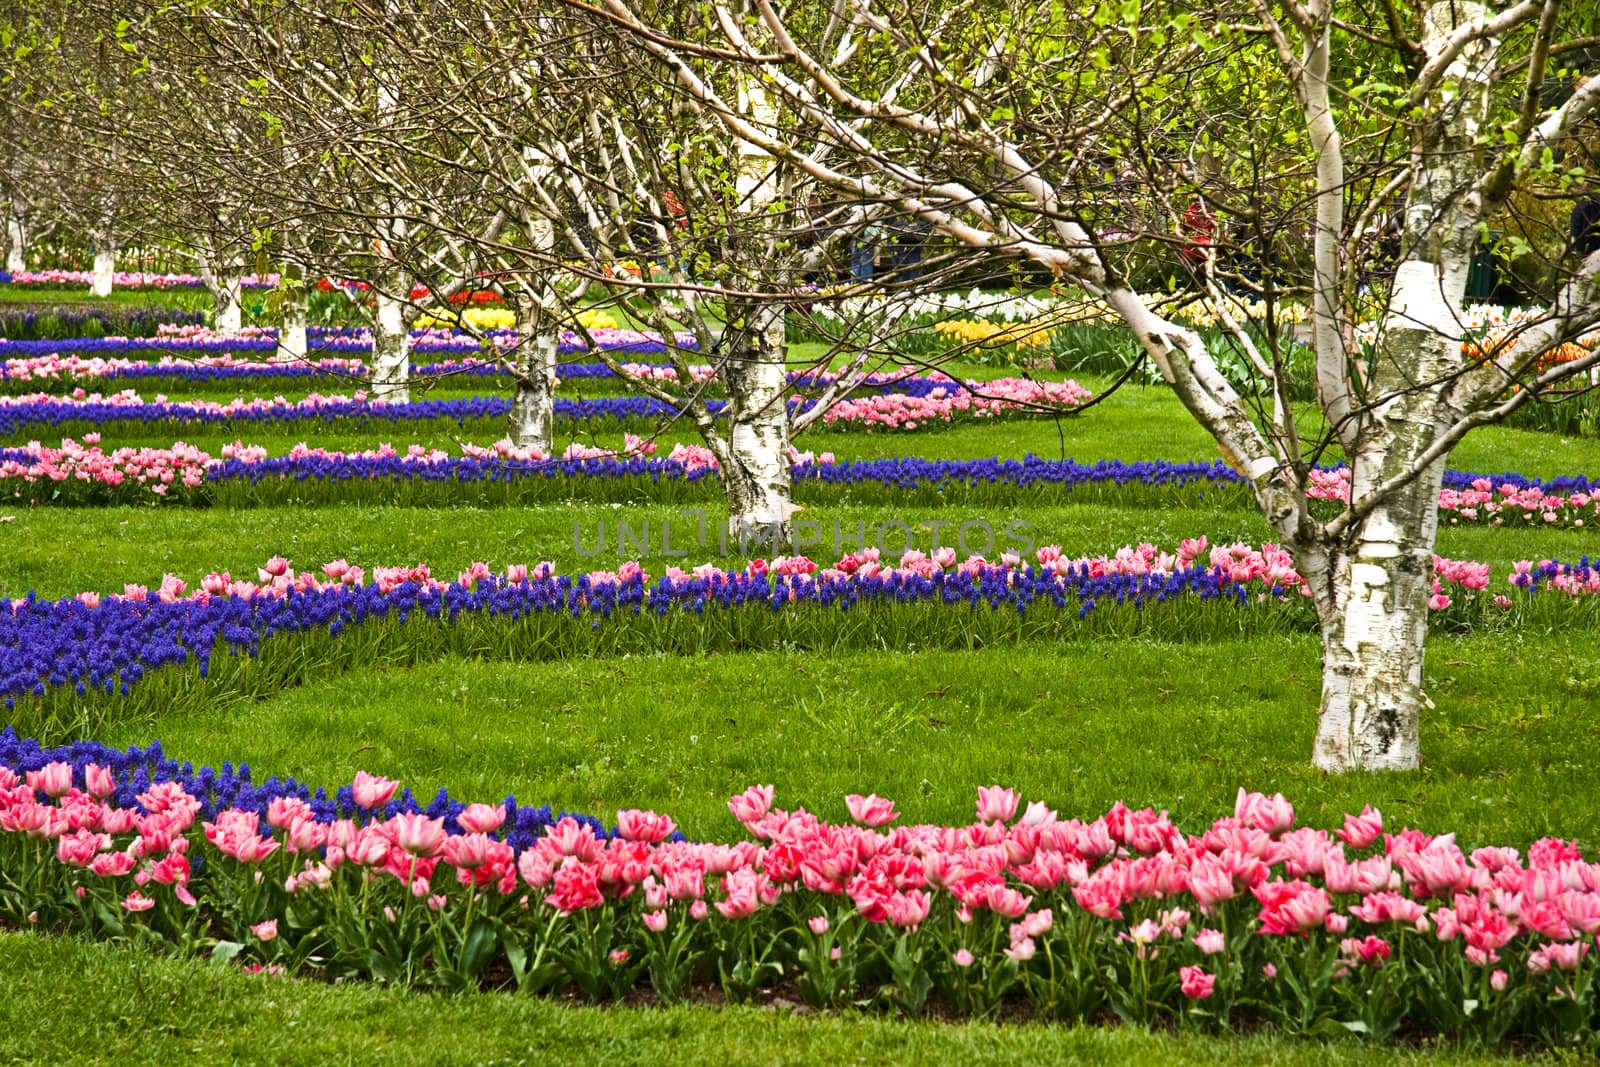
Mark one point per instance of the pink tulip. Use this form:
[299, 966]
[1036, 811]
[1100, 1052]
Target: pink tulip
[417, 834]
[655, 920]
[908, 909]
[646, 826]
[1100, 897]
[569, 837]
[1022, 951]
[1362, 830]
[98, 780]
[962, 958]
[1196, 984]
[372, 791]
[1211, 882]
[112, 864]
[1373, 950]
[481, 818]
[1582, 910]
[1389, 907]
[575, 888]
[265, 931]
[137, 901]
[1272, 814]
[996, 804]
[370, 848]
[752, 805]
[79, 848]
[1291, 907]
[54, 779]
[285, 811]
[871, 810]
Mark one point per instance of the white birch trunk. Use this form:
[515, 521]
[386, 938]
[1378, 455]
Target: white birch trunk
[532, 423]
[1373, 597]
[16, 245]
[105, 268]
[533, 405]
[756, 475]
[391, 363]
[227, 316]
[1373, 602]
[292, 313]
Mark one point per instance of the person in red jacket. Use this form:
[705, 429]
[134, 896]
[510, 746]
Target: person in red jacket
[1197, 233]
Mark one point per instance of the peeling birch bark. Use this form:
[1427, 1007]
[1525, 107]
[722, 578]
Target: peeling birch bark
[1374, 629]
[391, 363]
[532, 420]
[756, 475]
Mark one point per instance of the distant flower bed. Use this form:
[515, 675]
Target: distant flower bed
[938, 401]
[60, 324]
[62, 279]
[198, 343]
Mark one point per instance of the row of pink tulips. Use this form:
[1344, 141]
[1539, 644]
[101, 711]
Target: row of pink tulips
[1368, 927]
[980, 399]
[84, 460]
[130, 279]
[1484, 501]
[1264, 571]
[159, 469]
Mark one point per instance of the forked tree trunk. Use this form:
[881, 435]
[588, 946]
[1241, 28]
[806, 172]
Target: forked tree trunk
[292, 313]
[105, 267]
[756, 476]
[1374, 596]
[1374, 603]
[16, 245]
[391, 363]
[533, 406]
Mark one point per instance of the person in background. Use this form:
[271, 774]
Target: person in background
[864, 252]
[907, 237]
[1584, 225]
[1197, 233]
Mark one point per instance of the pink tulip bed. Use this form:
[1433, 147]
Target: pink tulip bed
[1249, 921]
[935, 404]
[146, 652]
[61, 279]
[83, 472]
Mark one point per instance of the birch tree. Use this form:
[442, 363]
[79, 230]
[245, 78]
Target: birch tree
[1000, 120]
[546, 128]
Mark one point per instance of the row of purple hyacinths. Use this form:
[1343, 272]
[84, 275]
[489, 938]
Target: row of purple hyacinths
[136, 769]
[111, 646]
[107, 645]
[900, 473]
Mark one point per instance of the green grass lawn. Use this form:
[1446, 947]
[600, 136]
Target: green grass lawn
[1175, 725]
[1509, 749]
[98, 1004]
